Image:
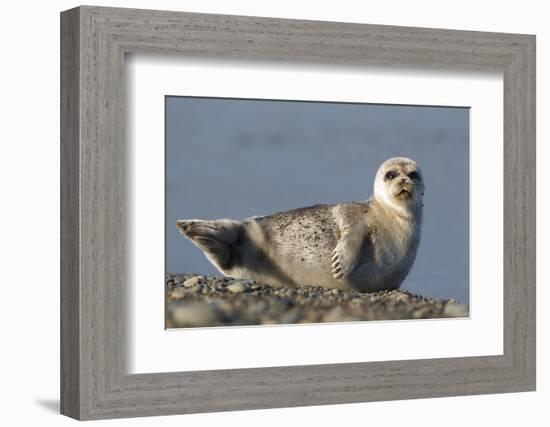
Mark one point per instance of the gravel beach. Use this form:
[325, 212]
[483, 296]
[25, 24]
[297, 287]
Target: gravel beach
[203, 301]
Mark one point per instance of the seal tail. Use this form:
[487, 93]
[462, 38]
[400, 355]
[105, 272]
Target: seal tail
[214, 238]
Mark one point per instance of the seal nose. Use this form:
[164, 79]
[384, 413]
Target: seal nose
[403, 180]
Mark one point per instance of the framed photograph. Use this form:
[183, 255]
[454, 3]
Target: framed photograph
[262, 213]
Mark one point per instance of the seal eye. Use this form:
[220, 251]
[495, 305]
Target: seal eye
[390, 175]
[414, 175]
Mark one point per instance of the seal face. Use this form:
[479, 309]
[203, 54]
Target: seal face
[367, 246]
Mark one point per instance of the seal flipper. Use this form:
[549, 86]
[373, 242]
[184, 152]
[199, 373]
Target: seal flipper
[346, 253]
[214, 238]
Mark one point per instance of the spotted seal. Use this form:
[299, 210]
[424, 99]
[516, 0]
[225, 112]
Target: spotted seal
[367, 246]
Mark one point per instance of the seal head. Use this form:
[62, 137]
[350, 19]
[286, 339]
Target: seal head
[399, 185]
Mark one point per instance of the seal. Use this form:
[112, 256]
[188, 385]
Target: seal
[367, 246]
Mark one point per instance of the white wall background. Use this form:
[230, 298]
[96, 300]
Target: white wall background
[29, 213]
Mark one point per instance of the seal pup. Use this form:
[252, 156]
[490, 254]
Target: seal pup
[366, 246]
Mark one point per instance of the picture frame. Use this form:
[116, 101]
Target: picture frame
[94, 381]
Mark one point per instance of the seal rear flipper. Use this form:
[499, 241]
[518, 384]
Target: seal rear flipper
[214, 238]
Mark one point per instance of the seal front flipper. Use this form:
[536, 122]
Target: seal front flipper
[214, 238]
[346, 253]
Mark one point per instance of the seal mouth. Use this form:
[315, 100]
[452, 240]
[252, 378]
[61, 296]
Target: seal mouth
[404, 192]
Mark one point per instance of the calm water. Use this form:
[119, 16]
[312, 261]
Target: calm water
[238, 158]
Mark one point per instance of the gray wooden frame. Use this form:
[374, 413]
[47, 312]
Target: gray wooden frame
[94, 41]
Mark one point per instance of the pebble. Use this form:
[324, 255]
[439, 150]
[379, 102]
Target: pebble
[257, 308]
[420, 313]
[337, 314]
[291, 316]
[192, 281]
[193, 314]
[456, 310]
[238, 286]
[177, 293]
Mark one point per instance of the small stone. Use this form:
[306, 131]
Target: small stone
[420, 313]
[401, 297]
[217, 286]
[177, 293]
[456, 310]
[192, 281]
[194, 314]
[238, 287]
[291, 316]
[225, 309]
[337, 314]
[257, 308]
